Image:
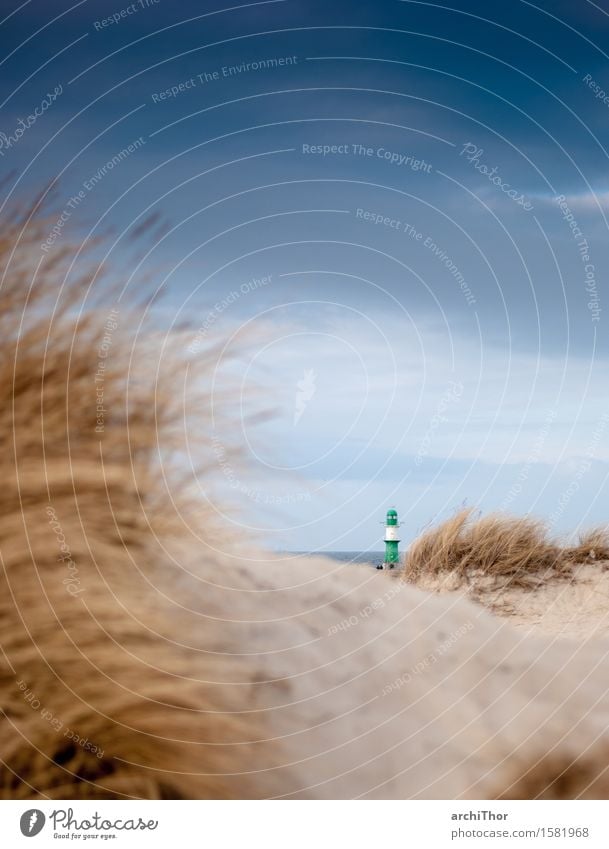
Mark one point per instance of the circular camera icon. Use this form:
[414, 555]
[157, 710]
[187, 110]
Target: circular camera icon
[32, 822]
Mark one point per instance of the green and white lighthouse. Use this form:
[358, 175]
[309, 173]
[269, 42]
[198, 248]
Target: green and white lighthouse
[392, 540]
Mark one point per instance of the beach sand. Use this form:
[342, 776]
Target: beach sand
[192, 668]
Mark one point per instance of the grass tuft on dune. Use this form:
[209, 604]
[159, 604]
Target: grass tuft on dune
[505, 550]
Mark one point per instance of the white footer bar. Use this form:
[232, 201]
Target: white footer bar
[305, 825]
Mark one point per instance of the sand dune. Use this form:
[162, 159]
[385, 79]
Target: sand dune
[141, 658]
[511, 566]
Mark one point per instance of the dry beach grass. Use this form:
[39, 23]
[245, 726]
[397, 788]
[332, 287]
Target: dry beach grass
[512, 566]
[142, 658]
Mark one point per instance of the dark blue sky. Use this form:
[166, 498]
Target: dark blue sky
[395, 267]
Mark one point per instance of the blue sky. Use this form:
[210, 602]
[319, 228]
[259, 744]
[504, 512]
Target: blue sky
[425, 338]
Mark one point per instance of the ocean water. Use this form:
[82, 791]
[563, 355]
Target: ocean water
[372, 557]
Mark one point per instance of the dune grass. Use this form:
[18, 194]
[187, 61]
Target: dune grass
[508, 550]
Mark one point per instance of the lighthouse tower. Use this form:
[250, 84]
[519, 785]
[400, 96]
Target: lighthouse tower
[392, 539]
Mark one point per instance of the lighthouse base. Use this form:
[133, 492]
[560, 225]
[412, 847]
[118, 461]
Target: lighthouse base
[388, 565]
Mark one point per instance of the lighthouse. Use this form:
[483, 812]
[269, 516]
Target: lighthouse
[392, 539]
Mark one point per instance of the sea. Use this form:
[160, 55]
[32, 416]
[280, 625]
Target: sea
[372, 557]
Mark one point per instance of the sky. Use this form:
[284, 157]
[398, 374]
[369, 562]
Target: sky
[402, 204]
